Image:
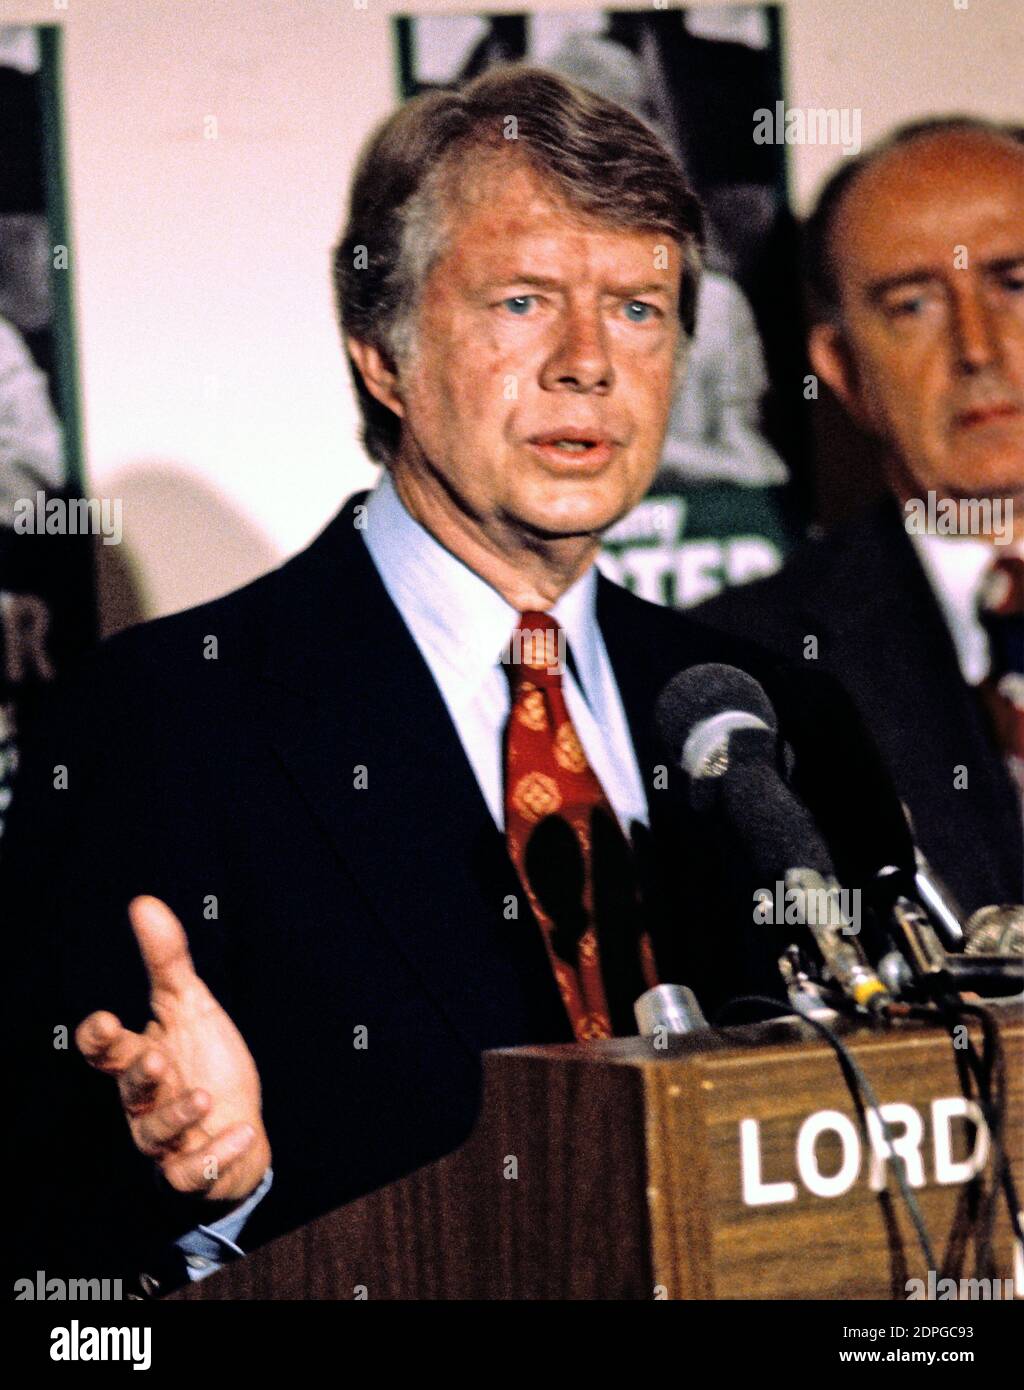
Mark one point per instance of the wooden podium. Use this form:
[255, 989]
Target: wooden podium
[723, 1165]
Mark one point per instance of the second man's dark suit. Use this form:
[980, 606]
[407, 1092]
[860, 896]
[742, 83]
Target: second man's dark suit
[302, 801]
[864, 598]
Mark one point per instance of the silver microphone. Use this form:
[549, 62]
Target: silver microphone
[668, 1009]
[996, 931]
[938, 902]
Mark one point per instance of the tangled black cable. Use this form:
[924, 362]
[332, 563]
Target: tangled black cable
[991, 1063]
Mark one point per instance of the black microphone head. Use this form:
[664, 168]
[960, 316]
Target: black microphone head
[706, 712]
[700, 692]
[723, 731]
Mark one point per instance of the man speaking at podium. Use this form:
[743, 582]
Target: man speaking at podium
[360, 847]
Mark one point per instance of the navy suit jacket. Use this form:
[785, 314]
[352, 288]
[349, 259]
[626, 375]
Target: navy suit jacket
[317, 906]
[861, 592]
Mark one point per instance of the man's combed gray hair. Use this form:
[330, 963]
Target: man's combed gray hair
[602, 160]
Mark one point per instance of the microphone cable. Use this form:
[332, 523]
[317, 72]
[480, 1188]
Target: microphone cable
[991, 1064]
[860, 1087]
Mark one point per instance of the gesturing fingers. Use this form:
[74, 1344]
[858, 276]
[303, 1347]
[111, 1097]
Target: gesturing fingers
[199, 1170]
[163, 944]
[167, 1127]
[141, 1081]
[106, 1044]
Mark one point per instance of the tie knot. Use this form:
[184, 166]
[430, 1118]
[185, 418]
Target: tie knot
[536, 651]
[1002, 589]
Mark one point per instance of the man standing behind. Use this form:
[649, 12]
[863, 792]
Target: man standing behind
[916, 261]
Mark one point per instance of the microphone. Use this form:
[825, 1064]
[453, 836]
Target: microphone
[993, 959]
[668, 1009]
[896, 878]
[873, 833]
[723, 732]
[941, 951]
[991, 963]
[996, 931]
[851, 788]
[938, 902]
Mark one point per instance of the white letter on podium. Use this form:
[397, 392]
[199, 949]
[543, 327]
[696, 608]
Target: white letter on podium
[906, 1145]
[947, 1171]
[807, 1160]
[757, 1193]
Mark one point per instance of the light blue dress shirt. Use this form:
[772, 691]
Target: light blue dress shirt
[461, 626]
[204, 1248]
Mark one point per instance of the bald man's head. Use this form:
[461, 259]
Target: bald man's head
[919, 257]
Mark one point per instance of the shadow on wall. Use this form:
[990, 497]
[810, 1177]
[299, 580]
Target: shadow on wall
[181, 544]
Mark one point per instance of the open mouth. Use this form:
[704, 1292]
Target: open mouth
[574, 447]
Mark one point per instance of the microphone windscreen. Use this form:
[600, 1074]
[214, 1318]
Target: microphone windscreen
[745, 792]
[701, 692]
[770, 827]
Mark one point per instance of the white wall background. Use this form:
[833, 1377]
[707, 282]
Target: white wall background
[214, 391]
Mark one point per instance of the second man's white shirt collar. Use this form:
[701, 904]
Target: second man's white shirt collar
[956, 566]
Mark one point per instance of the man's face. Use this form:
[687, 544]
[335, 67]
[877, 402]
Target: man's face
[930, 249]
[536, 327]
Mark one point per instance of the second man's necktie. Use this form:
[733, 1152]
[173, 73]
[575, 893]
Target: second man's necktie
[1001, 609]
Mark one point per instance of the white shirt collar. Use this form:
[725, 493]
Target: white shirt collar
[450, 610]
[955, 567]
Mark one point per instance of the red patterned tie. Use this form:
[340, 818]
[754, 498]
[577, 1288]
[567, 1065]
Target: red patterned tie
[1001, 609]
[562, 837]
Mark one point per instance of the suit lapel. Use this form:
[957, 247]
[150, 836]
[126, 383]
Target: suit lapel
[648, 645]
[347, 689]
[642, 666]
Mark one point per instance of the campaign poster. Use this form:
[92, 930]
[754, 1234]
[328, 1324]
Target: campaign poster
[47, 608]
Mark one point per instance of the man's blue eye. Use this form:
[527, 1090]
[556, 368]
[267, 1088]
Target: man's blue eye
[646, 311]
[519, 304]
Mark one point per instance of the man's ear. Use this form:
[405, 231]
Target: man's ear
[833, 361]
[379, 376]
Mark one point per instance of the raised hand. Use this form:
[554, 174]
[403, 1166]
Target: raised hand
[188, 1083]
